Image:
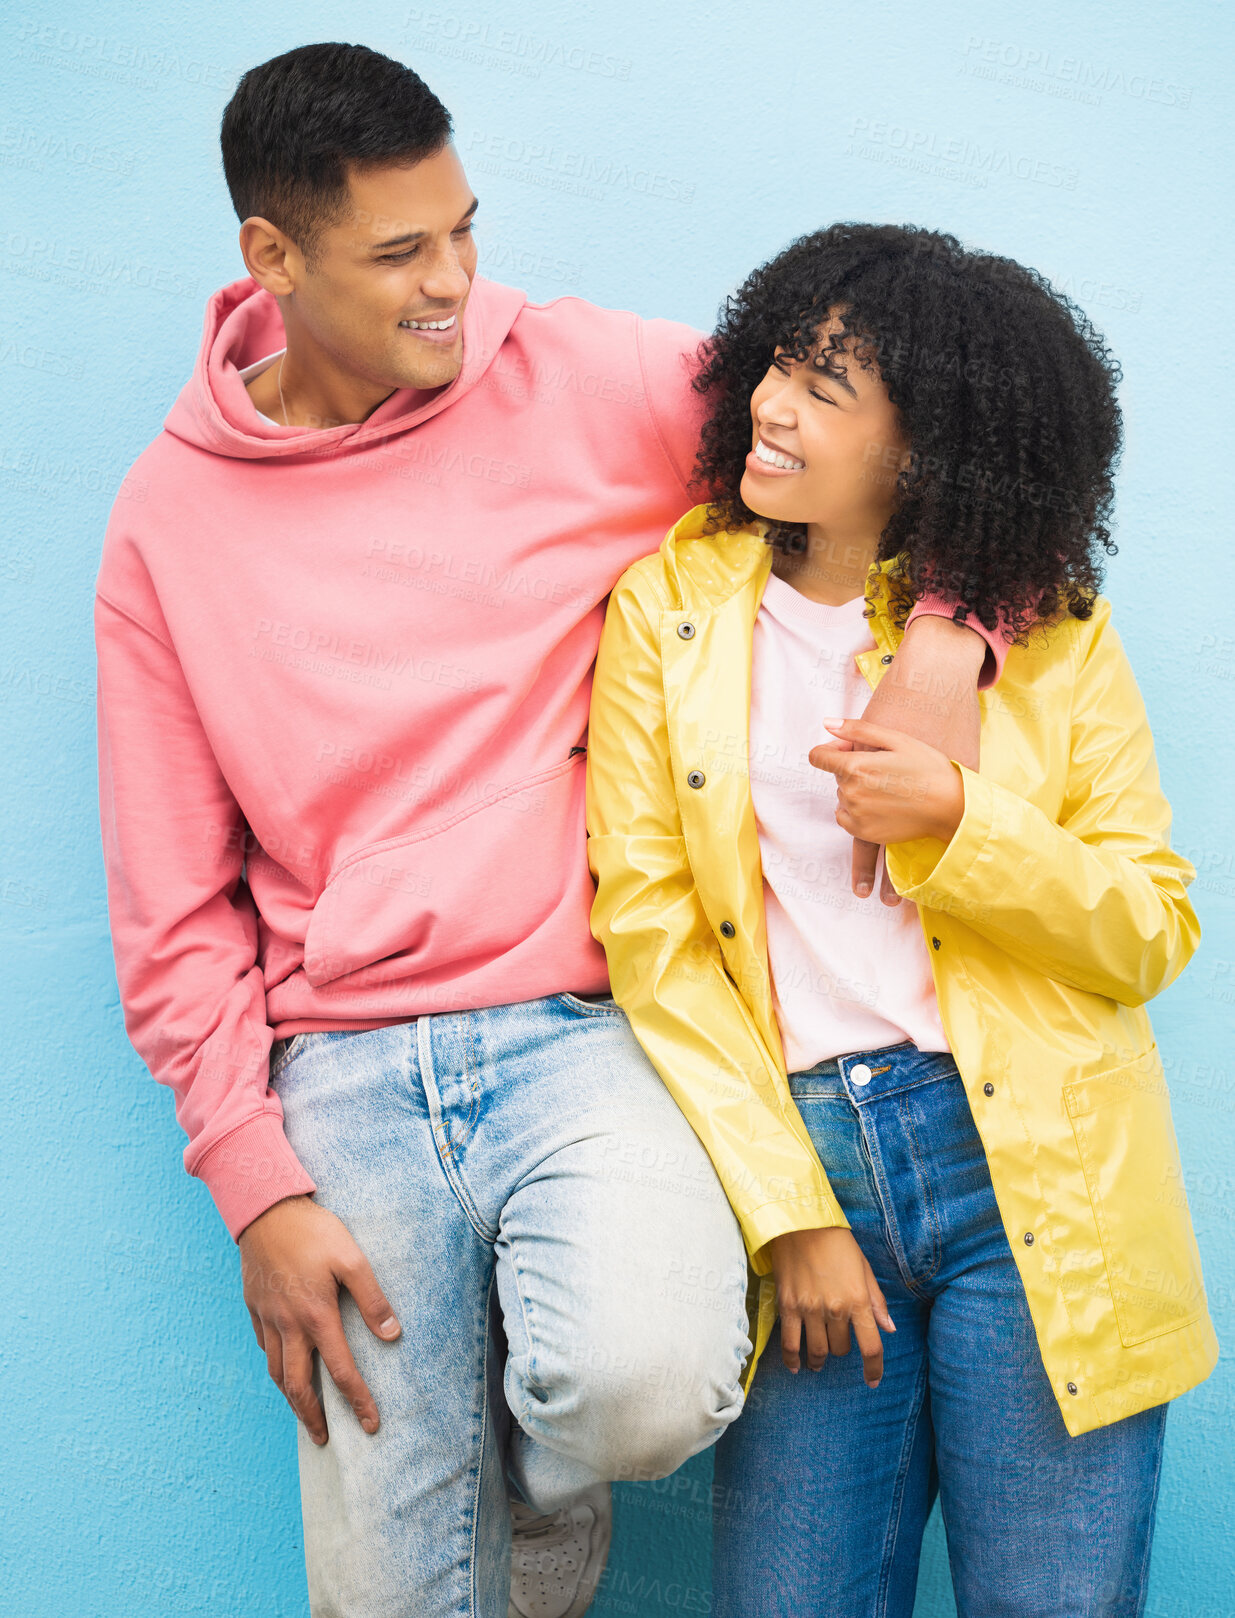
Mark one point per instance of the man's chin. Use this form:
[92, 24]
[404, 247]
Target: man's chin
[425, 377]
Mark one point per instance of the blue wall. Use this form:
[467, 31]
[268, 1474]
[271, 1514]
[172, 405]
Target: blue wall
[644, 155]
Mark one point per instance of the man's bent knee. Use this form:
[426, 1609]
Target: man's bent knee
[631, 1417]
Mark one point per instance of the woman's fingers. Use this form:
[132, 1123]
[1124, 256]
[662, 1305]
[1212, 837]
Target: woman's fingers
[790, 1338]
[870, 1346]
[817, 1347]
[879, 1304]
[838, 1335]
[865, 858]
[887, 893]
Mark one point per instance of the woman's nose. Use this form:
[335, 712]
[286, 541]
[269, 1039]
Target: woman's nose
[775, 410]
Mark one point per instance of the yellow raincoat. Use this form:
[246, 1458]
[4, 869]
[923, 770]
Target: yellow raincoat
[1054, 913]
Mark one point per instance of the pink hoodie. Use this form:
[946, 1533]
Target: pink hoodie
[352, 667]
[343, 693]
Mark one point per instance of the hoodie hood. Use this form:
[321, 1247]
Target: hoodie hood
[243, 324]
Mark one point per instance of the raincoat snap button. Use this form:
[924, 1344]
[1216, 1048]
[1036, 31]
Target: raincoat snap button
[686, 631]
[886, 658]
[696, 778]
[935, 944]
[1029, 1238]
[988, 1089]
[1072, 1387]
[727, 929]
[860, 1074]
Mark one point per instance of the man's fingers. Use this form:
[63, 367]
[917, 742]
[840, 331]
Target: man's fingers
[790, 1339]
[273, 1346]
[337, 1360]
[257, 1327]
[865, 858]
[870, 1345]
[358, 1277]
[298, 1387]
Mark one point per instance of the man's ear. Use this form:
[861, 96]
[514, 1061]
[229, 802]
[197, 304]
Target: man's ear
[270, 257]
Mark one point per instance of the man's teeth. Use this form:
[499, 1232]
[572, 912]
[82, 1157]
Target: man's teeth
[429, 325]
[771, 457]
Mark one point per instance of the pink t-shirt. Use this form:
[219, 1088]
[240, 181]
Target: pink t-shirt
[848, 974]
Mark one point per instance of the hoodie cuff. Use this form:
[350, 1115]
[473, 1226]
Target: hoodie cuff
[932, 605]
[250, 1170]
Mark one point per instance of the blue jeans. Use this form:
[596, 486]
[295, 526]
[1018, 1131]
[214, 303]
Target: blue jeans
[557, 1248]
[824, 1486]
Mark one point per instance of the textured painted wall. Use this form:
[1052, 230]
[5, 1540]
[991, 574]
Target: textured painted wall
[644, 155]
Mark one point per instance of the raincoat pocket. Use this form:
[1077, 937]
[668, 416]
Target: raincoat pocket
[1130, 1159]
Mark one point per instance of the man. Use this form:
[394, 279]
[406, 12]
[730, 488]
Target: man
[345, 649]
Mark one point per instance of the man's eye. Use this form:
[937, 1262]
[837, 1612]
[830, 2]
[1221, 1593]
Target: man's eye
[398, 258]
[822, 397]
[464, 230]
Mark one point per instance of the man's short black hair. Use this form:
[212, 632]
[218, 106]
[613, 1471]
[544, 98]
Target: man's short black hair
[297, 123]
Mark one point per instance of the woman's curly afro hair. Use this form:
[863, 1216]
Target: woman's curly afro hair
[1006, 396]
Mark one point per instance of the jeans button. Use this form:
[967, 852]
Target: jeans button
[860, 1074]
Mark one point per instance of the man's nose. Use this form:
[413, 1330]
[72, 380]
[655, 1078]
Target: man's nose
[447, 279]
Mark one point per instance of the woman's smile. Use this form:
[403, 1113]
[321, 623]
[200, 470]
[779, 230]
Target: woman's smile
[770, 460]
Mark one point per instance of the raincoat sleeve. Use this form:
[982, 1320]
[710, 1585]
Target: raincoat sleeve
[665, 963]
[1096, 899]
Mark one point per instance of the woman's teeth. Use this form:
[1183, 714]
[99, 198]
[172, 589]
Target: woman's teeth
[771, 457]
[429, 325]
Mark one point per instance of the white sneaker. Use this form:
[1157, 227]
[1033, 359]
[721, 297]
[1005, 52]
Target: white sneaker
[556, 1560]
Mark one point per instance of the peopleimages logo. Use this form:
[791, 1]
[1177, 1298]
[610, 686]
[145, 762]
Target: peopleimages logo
[1090, 79]
[119, 61]
[535, 50]
[970, 158]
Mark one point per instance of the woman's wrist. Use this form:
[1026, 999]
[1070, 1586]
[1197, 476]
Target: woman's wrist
[951, 805]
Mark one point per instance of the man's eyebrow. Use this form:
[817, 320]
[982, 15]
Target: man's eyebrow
[418, 235]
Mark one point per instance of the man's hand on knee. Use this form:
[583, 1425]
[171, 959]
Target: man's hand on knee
[294, 1257]
[930, 690]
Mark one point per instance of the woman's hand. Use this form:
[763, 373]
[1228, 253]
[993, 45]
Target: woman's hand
[900, 790]
[824, 1285]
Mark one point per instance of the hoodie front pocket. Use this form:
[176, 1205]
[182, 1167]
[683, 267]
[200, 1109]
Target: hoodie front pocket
[1130, 1160]
[442, 902]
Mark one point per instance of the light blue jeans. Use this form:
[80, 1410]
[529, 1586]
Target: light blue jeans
[824, 1486]
[556, 1246]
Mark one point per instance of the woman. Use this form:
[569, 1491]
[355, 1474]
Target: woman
[943, 1123]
